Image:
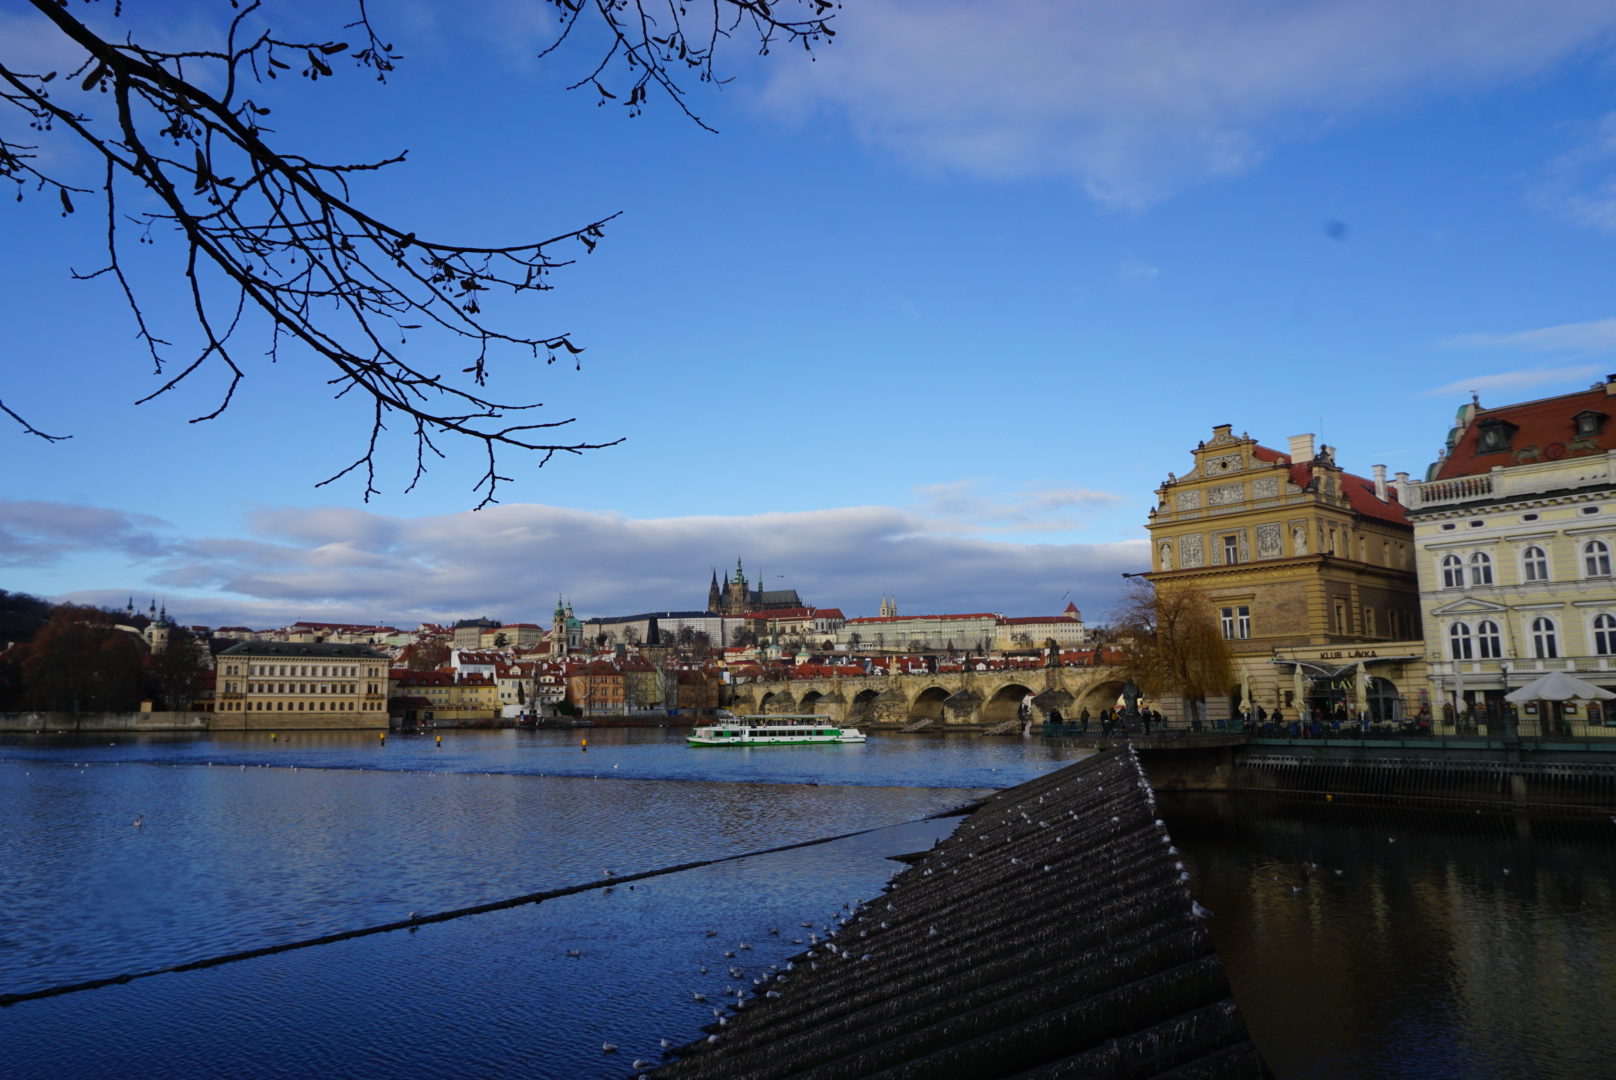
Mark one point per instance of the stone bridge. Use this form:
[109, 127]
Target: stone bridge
[958, 699]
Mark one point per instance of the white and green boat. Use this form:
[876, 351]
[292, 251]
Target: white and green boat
[773, 731]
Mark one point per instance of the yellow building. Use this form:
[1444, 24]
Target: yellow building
[443, 696]
[1295, 554]
[283, 684]
[1515, 530]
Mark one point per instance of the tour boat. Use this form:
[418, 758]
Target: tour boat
[773, 731]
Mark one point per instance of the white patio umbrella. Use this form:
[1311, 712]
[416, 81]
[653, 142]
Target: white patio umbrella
[1300, 690]
[1559, 686]
[1361, 688]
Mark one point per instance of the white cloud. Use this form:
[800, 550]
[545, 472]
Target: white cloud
[511, 561]
[1516, 380]
[41, 533]
[961, 506]
[1597, 336]
[1135, 98]
[1136, 271]
[1581, 184]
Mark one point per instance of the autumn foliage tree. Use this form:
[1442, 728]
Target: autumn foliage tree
[1171, 644]
[80, 663]
[424, 655]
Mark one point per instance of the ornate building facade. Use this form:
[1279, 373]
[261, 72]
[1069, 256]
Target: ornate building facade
[1295, 554]
[1515, 532]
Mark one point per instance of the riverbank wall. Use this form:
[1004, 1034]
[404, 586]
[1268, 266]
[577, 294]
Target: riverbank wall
[59, 723]
[1572, 775]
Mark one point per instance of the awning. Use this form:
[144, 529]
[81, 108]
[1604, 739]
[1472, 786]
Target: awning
[1320, 669]
[1559, 686]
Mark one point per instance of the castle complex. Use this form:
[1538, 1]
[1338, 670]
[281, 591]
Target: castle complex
[735, 597]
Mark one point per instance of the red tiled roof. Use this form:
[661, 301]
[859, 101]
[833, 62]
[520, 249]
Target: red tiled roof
[1544, 424]
[1268, 454]
[828, 613]
[406, 677]
[1360, 492]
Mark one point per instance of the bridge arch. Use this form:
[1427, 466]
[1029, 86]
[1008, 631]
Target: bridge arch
[1005, 704]
[809, 702]
[1102, 695]
[928, 704]
[763, 702]
[863, 707]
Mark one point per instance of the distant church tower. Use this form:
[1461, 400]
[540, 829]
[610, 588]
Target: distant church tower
[738, 600]
[714, 598]
[889, 607]
[558, 629]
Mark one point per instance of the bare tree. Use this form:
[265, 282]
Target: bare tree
[1171, 644]
[276, 240]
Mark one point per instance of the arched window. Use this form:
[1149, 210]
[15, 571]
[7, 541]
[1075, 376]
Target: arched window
[1596, 558]
[1459, 641]
[1487, 640]
[1536, 563]
[1481, 568]
[1545, 643]
[1605, 635]
[1452, 572]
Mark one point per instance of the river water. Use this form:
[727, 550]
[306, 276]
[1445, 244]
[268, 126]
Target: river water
[1421, 959]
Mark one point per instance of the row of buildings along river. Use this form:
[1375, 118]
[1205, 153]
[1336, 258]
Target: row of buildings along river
[1397, 597]
[1384, 596]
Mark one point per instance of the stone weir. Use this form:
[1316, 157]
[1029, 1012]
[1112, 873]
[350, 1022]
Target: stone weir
[1052, 935]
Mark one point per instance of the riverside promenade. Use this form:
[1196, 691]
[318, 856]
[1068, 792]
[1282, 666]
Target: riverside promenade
[1053, 934]
[1573, 773]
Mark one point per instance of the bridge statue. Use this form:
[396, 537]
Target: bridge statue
[1130, 698]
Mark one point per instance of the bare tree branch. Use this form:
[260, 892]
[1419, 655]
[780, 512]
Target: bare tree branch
[275, 234]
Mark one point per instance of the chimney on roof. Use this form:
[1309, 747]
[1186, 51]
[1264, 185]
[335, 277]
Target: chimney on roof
[1400, 485]
[1610, 386]
[1301, 448]
[1380, 482]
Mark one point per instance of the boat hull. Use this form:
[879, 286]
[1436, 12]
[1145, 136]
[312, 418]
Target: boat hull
[773, 740]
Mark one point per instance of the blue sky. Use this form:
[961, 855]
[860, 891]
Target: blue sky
[932, 315]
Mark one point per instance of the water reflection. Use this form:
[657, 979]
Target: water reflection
[1408, 943]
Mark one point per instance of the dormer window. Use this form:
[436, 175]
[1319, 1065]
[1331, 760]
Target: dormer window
[1589, 422]
[1495, 436]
